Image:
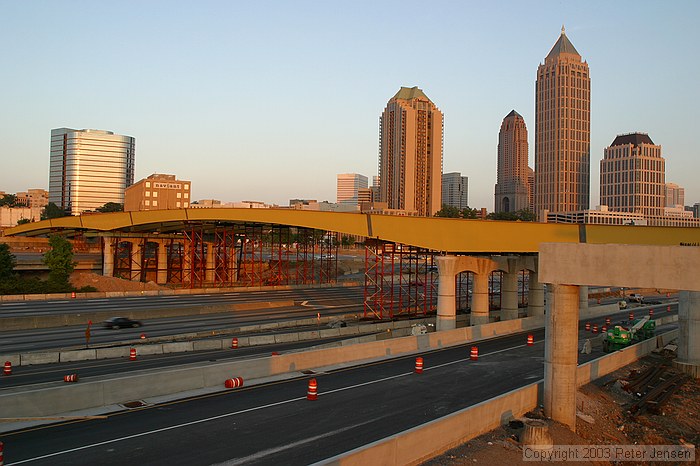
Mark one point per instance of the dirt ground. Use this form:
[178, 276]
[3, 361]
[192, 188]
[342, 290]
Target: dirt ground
[603, 419]
[102, 283]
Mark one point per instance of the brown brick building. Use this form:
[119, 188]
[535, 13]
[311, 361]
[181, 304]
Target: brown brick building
[157, 192]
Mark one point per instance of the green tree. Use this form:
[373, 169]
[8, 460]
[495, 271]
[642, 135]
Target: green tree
[22, 221]
[524, 215]
[7, 263]
[52, 211]
[59, 260]
[111, 207]
[8, 200]
[468, 212]
[346, 241]
[448, 211]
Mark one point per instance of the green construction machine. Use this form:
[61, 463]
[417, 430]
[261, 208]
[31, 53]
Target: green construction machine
[620, 337]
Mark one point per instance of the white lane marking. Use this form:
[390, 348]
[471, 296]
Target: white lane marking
[60, 302]
[256, 408]
[271, 451]
[131, 299]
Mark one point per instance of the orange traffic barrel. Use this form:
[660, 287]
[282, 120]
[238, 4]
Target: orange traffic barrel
[7, 370]
[312, 392]
[419, 365]
[72, 295]
[607, 321]
[595, 328]
[588, 326]
[235, 382]
[143, 336]
[132, 354]
[70, 378]
[604, 329]
[530, 340]
[631, 316]
[234, 343]
[651, 313]
[668, 308]
[474, 354]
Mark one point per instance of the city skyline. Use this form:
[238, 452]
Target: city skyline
[252, 84]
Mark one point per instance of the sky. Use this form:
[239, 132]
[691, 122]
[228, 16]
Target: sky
[270, 100]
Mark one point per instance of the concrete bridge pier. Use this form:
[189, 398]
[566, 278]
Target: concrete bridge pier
[447, 304]
[136, 258]
[107, 256]
[535, 296]
[162, 275]
[561, 355]
[480, 300]
[583, 298]
[688, 359]
[509, 296]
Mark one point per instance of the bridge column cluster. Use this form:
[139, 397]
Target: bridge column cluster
[561, 355]
[689, 333]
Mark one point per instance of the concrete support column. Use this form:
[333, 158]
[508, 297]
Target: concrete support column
[162, 275]
[136, 259]
[535, 296]
[480, 299]
[583, 298]
[446, 305]
[509, 296]
[689, 333]
[108, 256]
[209, 274]
[561, 355]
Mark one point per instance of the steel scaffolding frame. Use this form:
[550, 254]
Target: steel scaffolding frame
[122, 259]
[224, 255]
[463, 287]
[195, 257]
[149, 260]
[175, 261]
[399, 280]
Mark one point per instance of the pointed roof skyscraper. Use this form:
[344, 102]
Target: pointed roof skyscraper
[563, 45]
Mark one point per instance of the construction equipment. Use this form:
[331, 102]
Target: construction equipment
[620, 337]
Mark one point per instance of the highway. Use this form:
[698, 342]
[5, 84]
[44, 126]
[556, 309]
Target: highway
[121, 305]
[274, 423]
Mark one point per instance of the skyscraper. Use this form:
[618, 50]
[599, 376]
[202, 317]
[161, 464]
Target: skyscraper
[562, 130]
[348, 184]
[410, 153]
[455, 190]
[89, 168]
[675, 195]
[512, 192]
[632, 175]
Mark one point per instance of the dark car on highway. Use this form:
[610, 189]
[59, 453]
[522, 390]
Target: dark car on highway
[121, 322]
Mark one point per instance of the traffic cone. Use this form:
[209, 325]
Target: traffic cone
[235, 382]
[312, 392]
[275, 353]
[234, 343]
[143, 336]
[530, 340]
[70, 378]
[7, 370]
[604, 329]
[668, 308]
[419, 365]
[474, 354]
[72, 295]
[132, 354]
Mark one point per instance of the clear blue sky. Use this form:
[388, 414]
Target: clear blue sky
[269, 100]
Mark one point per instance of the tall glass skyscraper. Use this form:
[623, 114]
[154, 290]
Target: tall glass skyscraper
[89, 168]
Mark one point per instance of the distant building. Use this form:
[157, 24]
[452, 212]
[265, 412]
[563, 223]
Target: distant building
[410, 153]
[38, 198]
[562, 131]
[674, 195]
[455, 190]
[603, 216]
[632, 175]
[157, 192]
[10, 216]
[348, 185]
[89, 168]
[512, 191]
[696, 210]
